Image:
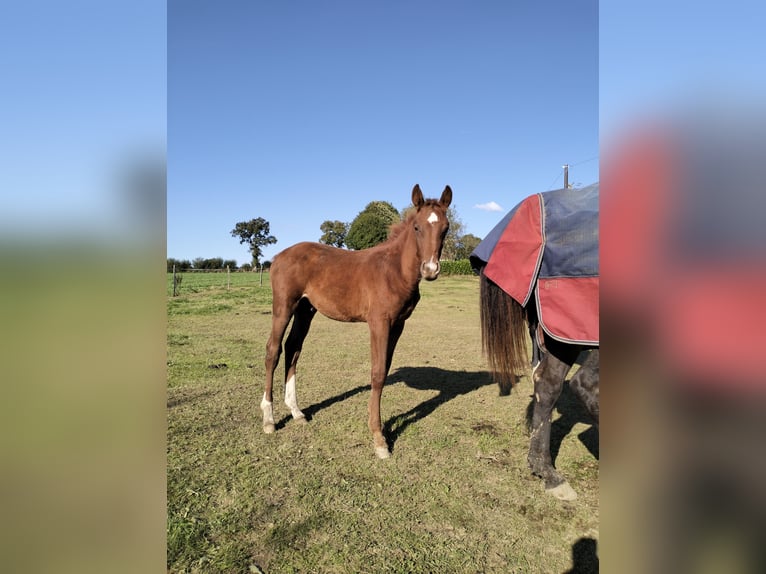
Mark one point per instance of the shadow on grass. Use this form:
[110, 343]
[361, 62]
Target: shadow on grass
[450, 384]
[290, 536]
[584, 557]
[311, 410]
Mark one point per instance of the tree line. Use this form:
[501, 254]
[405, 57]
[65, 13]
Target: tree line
[369, 228]
[200, 263]
[372, 224]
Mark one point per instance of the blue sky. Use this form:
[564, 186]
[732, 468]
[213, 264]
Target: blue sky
[83, 100]
[662, 60]
[299, 112]
[304, 111]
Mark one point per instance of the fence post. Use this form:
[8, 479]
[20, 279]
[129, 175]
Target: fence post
[174, 279]
[228, 277]
[261, 274]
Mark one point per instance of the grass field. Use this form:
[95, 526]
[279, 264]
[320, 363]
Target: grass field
[456, 496]
[195, 281]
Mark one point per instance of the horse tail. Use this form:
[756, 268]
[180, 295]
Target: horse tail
[503, 334]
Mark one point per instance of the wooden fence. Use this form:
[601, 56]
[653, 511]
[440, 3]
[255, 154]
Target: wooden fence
[195, 280]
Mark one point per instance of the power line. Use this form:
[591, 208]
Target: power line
[550, 187]
[583, 161]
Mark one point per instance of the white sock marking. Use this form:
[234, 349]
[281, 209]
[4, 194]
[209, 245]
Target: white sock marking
[268, 411]
[291, 399]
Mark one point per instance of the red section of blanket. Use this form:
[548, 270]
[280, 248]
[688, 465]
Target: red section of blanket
[515, 260]
[568, 308]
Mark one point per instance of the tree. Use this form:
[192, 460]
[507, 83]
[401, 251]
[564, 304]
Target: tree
[334, 233]
[371, 225]
[452, 240]
[210, 263]
[256, 234]
[384, 210]
[180, 265]
[465, 245]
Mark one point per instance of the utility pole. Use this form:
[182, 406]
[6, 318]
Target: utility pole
[566, 175]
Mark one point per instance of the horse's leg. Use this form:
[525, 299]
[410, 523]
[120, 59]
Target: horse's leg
[304, 313]
[280, 318]
[393, 339]
[585, 383]
[549, 381]
[379, 351]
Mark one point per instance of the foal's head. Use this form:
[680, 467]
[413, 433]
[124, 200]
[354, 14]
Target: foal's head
[431, 226]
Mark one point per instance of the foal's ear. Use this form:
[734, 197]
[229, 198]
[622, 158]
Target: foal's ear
[446, 198]
[417, 196]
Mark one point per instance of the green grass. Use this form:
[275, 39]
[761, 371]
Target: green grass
[198, 281]
[456, 496]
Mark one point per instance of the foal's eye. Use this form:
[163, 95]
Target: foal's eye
[417, 227]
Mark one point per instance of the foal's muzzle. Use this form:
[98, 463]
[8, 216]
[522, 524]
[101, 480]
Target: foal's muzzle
[429, 270]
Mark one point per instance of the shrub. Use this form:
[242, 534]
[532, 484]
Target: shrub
[459, 267]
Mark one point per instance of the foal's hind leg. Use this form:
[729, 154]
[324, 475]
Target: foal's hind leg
[301, 324]
[281, 315]
[549, 381]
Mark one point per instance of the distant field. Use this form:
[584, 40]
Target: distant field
[456, 496]
[196, 281]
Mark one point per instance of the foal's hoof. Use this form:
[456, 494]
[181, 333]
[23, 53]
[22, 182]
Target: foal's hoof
[301, 419]
[382, 452]
[563, 491]
[269, 428]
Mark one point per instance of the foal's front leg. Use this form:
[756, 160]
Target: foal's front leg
[383, 338]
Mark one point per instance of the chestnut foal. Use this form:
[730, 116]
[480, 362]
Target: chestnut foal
[378, 285]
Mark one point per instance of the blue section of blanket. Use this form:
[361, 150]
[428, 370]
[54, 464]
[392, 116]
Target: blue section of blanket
[570, 223]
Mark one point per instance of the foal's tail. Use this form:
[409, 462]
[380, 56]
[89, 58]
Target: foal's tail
[503, 334]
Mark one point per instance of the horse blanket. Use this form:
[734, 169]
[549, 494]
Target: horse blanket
[547, 246]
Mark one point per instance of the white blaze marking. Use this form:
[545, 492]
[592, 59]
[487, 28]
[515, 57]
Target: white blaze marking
[433, 218]
[291, 399]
